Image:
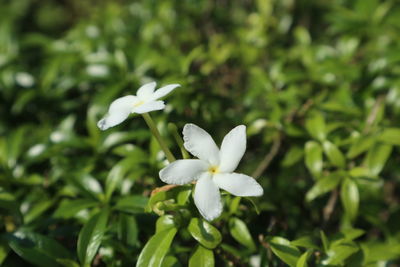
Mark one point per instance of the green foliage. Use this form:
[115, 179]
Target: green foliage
[315, 82]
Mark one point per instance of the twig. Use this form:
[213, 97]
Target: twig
[374, 112]
[268, 158]
[330, 205]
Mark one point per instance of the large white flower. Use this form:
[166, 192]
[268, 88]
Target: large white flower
[145, 100]
[213, 169]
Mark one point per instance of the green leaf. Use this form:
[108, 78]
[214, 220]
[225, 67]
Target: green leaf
[116, 174]
[377, 157]
[127, 229]
[324, 185]
[37, 249]
[234, 204]
[302, 261]
[313, 157]
[380, 251]
[241, 233]
[69, 208]
[132, 204]
[170, 261]
[282, 248]
[333, 153]
[156, 248]
[68, 263]
[360, 172]
[4, 249]
[201, 257]
[165, 222]
[316, 127]
[350, 198]
[339, 252]
[325, 241]
[360, 145]
[204, 233]
[390, 136]
[305, 242]
[37, 210]
[294, 154]
[90, 236]
[352, 233]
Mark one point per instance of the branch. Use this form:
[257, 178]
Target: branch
[268, 158]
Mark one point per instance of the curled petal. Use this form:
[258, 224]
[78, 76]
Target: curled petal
[150, 106]
[183, 171]
[119, 110]
[207, 198]
[200, 144]
[146, 91]
[238, 184]
[163, 91]
[232, 149]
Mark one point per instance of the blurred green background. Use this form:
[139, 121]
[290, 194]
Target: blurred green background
[316, 83]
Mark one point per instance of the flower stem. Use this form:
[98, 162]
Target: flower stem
[178, 139]
[156, 133]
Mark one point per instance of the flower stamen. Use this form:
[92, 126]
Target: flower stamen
[213, 169]
[138, 104]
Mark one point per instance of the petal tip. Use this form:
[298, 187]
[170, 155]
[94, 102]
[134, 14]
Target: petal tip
[102, 124]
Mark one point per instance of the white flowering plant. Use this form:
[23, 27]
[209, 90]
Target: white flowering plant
[205, 177]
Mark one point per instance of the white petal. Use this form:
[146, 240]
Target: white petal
[163, 91]
[183, 171]
[200, 144]
[207, 198]
[119, 110]
[150, 106]
[146, 91]
[238, 184]
[232, 149]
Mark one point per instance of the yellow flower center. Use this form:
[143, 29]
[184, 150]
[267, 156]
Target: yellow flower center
[138, 104]
[213, 169]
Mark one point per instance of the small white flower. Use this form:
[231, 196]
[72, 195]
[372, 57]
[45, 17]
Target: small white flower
[213, 170]
[145, 101]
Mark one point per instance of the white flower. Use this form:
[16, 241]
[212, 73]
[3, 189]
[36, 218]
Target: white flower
[213, 170]
[145, 101]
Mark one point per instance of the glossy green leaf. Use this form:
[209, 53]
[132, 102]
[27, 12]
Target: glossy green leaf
[305, 242]
[4, 249]
[282, 248]
[201, 257]
[37, 249]
[333, 153]
[170, 261]
[325, 241]
[156, 248]
[350, 198]
[377, 157]
[116, 174]
[324, 185]
[69, 208]
[241, 233]
[313, 157]
[90, 237]
[360, 145]
[165, 222]
[339, 252]
[294, 155]
[316, 127]
[128, 229]
[390, 136]
[132, 204]
[302, 261]
[206, 234]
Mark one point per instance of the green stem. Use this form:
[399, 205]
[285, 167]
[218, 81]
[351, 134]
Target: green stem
[156, 133]
[178, 139]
